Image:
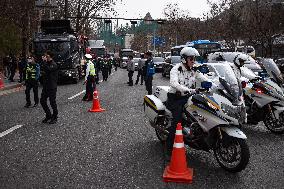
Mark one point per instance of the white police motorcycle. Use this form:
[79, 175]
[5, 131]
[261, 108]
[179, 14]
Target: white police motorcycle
[264, 99]
[206, 125]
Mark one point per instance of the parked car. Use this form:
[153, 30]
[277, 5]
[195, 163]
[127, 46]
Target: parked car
[170, 62]
[230, 56]
[124, 62]
[136, 60]
[158, 63]
[280, 64]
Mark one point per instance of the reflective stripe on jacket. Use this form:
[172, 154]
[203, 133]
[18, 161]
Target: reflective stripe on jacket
[90, 70]
[32, 72]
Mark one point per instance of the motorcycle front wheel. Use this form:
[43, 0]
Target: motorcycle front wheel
[274, 125]
[232, 153]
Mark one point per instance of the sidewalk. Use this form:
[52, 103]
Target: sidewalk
[10, 85]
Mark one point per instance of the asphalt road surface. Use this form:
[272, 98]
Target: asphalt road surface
[113, 149]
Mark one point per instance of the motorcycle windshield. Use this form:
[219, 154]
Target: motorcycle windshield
[228, 80]
[272, 70]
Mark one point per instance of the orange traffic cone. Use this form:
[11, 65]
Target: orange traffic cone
[1, 81]
[178, 171]
[96, 103]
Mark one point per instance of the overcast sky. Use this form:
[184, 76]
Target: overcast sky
[139, 8]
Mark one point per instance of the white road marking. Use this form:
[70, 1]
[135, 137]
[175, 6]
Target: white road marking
[10, 130]
[76, 95]
[101, 81]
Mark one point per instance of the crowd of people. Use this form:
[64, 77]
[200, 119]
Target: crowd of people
[145, 69]
[46, 70]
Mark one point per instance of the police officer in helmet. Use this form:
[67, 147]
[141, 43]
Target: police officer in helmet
[182, 83]
[90, 78]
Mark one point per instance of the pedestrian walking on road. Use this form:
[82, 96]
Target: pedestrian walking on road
[6, 63]
[104, 66]
[90, 79]
[109, 61]
[130, 69]
[141, 63]
[32, 77]
[148, 71]
[49, 84]
[22, 68]
[97, 68]
[13, 67]
[115, 63]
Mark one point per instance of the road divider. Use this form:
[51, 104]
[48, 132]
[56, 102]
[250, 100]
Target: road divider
[10, 130]
[70, 98]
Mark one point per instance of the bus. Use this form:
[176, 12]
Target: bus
[204, 47]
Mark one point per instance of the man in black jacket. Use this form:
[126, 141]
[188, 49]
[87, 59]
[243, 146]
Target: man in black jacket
[50, 77]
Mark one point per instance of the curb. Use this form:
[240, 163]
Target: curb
[11, 86]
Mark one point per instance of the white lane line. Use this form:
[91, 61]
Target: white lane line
[76, 95]
[10, 130]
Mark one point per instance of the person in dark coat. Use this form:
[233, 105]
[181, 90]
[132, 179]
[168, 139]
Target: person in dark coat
[148, 72]
[22, 71]
[104, 66]
[32, 77]
[13, 67]
[49, 87]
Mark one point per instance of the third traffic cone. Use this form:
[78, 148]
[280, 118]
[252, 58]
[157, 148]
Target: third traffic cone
[96, 103]
[178, 171]
[1, 81]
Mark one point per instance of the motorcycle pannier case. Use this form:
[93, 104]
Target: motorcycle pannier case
[153, 107]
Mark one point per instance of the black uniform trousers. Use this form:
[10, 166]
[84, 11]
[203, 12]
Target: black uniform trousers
[109, 69]
[175, 104]
[140, 73]
[90, 87]
[31, 84]
[105, 73]
[148, 83]
[51, 94]
[130, 75]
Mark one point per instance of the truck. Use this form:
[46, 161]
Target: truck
[57, 36]
[123, 55]
[97, 47]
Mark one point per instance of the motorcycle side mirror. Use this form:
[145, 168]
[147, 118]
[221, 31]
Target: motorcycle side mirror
[206, 85]
[203, 69]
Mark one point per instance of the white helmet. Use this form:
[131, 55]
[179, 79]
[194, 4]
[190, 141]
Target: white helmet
[240, 57]
[186, 52]
[88, 56]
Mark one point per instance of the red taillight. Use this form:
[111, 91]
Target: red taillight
[244, 84]
[259, 91]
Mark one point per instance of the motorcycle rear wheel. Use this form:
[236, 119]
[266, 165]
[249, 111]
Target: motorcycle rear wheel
[274, 125]
[232, 153]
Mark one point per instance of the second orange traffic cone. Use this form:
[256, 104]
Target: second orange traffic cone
[96, 103]
[178, 171]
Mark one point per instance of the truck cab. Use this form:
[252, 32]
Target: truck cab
[63, 44]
